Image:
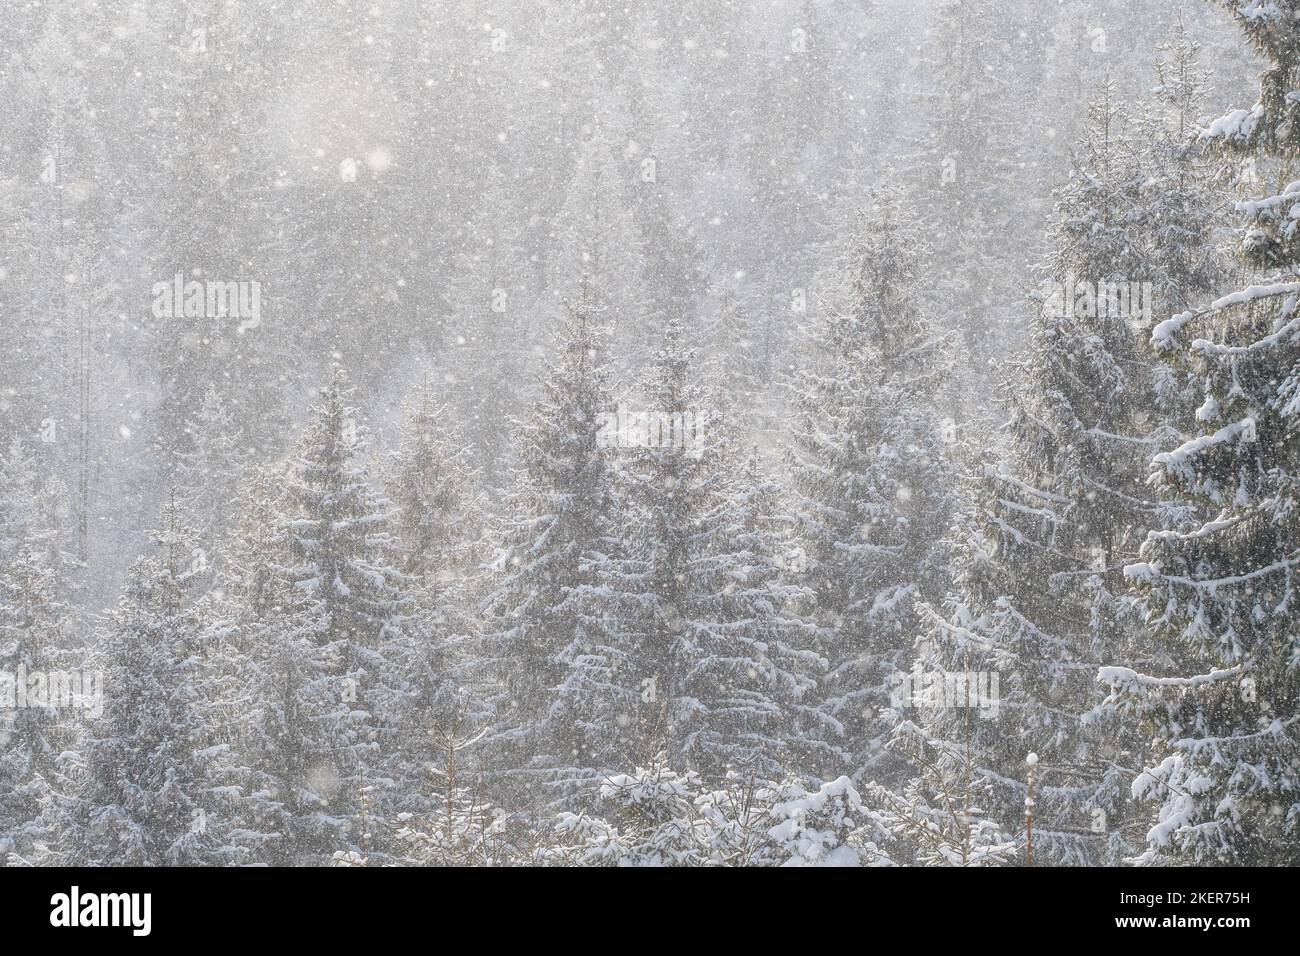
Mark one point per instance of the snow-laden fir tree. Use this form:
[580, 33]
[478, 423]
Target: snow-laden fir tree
[557, 530]
[1037, 592]
[756, 669]
[937, 817]
[276, 699]
[326, 691]
[710, 661]
[34, 735]
[1223, 767]
[150, 793]
[872, 483]
[245, 587]
[1180, 225]
[338, 543]
[435, 541]
[655, 816]
[646, 818]
[34, 514]
[35, 615]
[461, 827]
[1041, 598]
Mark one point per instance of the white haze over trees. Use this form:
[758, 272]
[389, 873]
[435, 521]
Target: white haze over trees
[808, 432]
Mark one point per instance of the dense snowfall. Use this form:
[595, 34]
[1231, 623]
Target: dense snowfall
[808, 432]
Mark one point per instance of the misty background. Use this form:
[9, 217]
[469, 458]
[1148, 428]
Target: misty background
[381, 169]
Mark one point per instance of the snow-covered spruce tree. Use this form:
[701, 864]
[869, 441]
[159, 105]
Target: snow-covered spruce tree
[825, 826]
[1224, 767]
[1041, 598]
[710, 662]
[32, 632]
[656, 817]
[34, 617]
[436, 541]
[936, 818]
[276, 697]
[345, 613]
[283, 698]
[461, 827]
[34, 515]
[743, 823]
[150, 794]
[871, 482]
[337, 529]
[755, 669]
[646, 818]
[557, 530]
